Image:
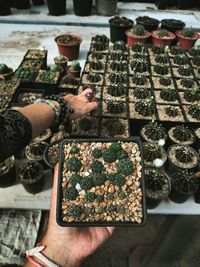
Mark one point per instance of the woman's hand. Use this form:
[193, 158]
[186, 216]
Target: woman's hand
[69, 246]
[82, 103]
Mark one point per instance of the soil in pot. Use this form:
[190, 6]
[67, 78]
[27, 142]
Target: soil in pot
[150, 24]
[5, 8]
[184, 185]
[56, 8]
[7, 172]
[82, 8]
[106, 8]
[158, 186]
[118, 26]
[162, 37]
[31, 175]
[51, 153]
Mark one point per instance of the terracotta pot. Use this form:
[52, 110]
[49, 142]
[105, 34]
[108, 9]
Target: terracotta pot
[162, 41]
[131, 39]
[73, 73]
[71, 51]
[62, 64]
[185, 42]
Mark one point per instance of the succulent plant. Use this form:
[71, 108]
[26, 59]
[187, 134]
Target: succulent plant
[119, 66]
[99, 46]
[89, 197]
[96, 65]
[115, 147]
[196, 61]
[116, 89]
[89, 210]
[194, 111]
[152, 151]
[97, 166]
[168, 94]
[99, 199]
[192, 95]
[101, 38]
[125, 167]
[119, 46]
[85, 124]
[99, 178]
[122, 195]
[111, 177]
[122, 154]
[161, 69]
[118, 55]
[4, 68]
[154, 131]
[158, 49]
[75, 179]
[96, 55]
[139, 66]
[182, 133]
[146, 107]
[120, 209]
[73, 164]
[187, 82]
[138, 47]
[176, 51]
[96, 153]
[171, 111]
[111, 208]
[138, 30]
[86, 183]
[115, 107]
[141, 93]
[139, 79]
[166, 81]
[154, 179]
[185, 70]
[55, 68]
[93, 77]
[74, 150]
[194, 51]
[189, 33]
[161, 59]
[184, 154]
[70, 193]
[67, 80]
[114, 127]
[25, 74]
[74, 210]
[120, 179]
[163, 33]
[185, 181]
[181, 59]
[109, 155]
[118, 77]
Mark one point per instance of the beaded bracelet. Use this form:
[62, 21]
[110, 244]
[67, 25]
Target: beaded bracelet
[51, 105]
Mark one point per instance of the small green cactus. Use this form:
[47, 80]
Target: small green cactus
[139, 30]
[99, 179]
[89, 197]
[184, 154]
[111, 208]
[75, 179]
[166, 81]
[172, 111]
[96, 153]
[86, 183]
[163, 33]
[122, 154]
[146, 107]
[73, 164]
[125, 166]
[70, 193]
[189, 33]
[74, 150]
[119, 46]
[75, 65]
[97, 166]
[116, 147]
[194, 111]
[187, 82]
[74, 210]
[120, 179]
[168, 94]
[122, 195]
[109, 155]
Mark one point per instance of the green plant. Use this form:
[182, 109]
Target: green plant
[166, 81]
[180, 59]
[96, 153]
[146, 107]
[86, 183]
[171, 111]
[187, 82]
[189, 33]
[119, 66]
[154, 131]
[139, 48]
[161, 59]
[122, 195]
[89, 197]
[70, 193]
[120, 209]
[120, 179]
[74, 210]
[118, 77]
[100, 46]
[25, 74]
[97, 166]
[184, 155]
[185, 70]
[194, 111]
[115, 107]
[60, 58]
[194, 51]
[93, 77]
[185, 181]
[139, 66]
[196, 61]
[142, 93]
[102, 38]
[138, 30]
[182, 133]
[192, 95]
[111, 208]
[116, 89]
[96, 55]
[4, 68]
[109, 155]
[116, 147]
[158, 49]
[74, 150]
[96, 65]
[114, 127]
[161, 69]
[75, 65]
[99, 179]
[119, 46]
[176, 51]
[168, 94]
[163, 33]
[73, 164]
[152, 151]
[139, 79]
[125, 166]
[122, 154]
[75, 179]
[118, 55]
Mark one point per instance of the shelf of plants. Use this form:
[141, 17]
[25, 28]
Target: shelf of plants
[152, 93]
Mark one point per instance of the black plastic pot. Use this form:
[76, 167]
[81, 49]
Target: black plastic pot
[5, 7]
[106, 8]
[21, 4]
[117, 29]
[150, 24]
[172, 25]
[34, 184]
[177, 196]
[8, 177]
[56, 8]
[38, 2]
[82, 8]
[152, 203]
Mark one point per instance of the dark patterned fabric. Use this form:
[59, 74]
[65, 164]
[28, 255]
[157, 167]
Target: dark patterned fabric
[15, 133]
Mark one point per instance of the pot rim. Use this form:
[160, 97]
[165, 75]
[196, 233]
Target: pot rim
[178, 33]
[65, 60]
[111, 23]
[170, 37]
[180, 22]
[153, 22]
[128, 33]
[78, 37]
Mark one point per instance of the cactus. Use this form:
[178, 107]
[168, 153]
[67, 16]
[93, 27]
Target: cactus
[180, 59]
[98, 179]
[115, 107]
[85, 124]
[89, 197]
[194, 51]
[74, 150]
[96, 153]
[119, 180]
[75, 179]
[158, 49]
[188, 33]
[168, 94]
[194, 111]
[184, 154]
[116, 90]
[73, 164]
[138, 56]
[185, 70]
[125, 167]
[109, 156]
[116, 147]
[96, 65]
[100, 46]
[97, 166]
[146, 107]
[4, 69]
[101, 38]
[152, 151]
[163, 33]
[67, 80]
[192, 95]
[171, 111]
[89, 210]
[111, 208]
[70, 193]
[114, 127]
[118, 55]
[196, 61]
[154, 179]
[122, 195]
[119, 46]
[139, 48]
[141, 93]
[187, 82]
[176, 51]
[161, 59]
[166, 81]
[138, 30]
[139, 79]
[93, 77]
[86, 183]
[118, 77]
[96, 55]
[161, 69]
[182, 133]
[139, 66]
[121, 209]
[74, 210]
[154, 131]
[119, 66]
[122, 154]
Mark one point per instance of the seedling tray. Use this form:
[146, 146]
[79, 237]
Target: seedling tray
[129, 210]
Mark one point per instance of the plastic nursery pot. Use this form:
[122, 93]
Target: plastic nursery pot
[172, 25]
[133, 39]
[118, 27]
[106, 8]
[71, 72]
[150, 24]
[56, 8]
[22, 4]
[61, 61]
[5, 8]
[51, 153]
[69, 49]
[185, 42]
[31, 176]
[156, 40]
[7, 172]
[38, 2]
[82, 8]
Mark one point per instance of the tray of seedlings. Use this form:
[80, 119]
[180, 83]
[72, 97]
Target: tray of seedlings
[101, 183]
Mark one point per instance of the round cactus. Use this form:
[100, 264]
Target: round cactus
[97, 166]
[154, 131]
[121, 209]
[115, 107]
[122, 195]
[74, 164]
[89, 197]
[115, 127]
[119, 180]
[158, 49]
[139, 79]
[99, 46]
[185, 70]
[184, 154]
[138, 30]
[146, 107]
[180, 59]
[166, 81]
[115, 147]
[161, 59]
[142, 93]
[196, 61]
[75, 179]
[116, 90]
[176, 51]
[171, 111]
[89, 210]
[70, 193]
[96, 55]
[100, 198]
[96, 65]
[86, 183]
[93, 77]
[194, 52]
[192, 95]
[118, 77]
[183, 133]
[120, 45]
[109, 155]
[118, 55]
[139, 66]
[194, 111]
[119, 66]
[152, 151]
[74, 150]
[97, 153]
[111, 208]
[122, 154]
[168, 94]
[187, 82]
[98, 179]
[161, 69]
[125, 166]
[101, 38]
[138, 47]
[74, 210]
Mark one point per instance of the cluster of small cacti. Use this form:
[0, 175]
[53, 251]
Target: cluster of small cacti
[168, 94]
[25, 74]
[47, 76]
[146, 107]
[192, 95]
[138, 48]
[118, 55]
[161, 69]
[176, 51]
[138, 30]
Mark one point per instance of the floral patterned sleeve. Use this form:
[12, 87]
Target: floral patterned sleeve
[15, 133]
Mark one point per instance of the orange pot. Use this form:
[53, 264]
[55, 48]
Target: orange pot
[132, 39]
[185, 42]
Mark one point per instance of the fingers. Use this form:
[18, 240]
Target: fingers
[91, 106]
[110, 230]
[54, 190]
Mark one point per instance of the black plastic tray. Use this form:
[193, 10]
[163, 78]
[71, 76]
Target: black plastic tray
[100, 223]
